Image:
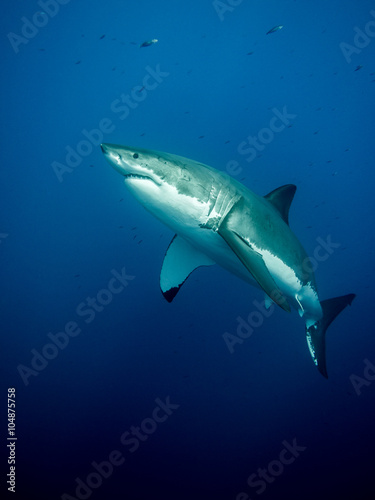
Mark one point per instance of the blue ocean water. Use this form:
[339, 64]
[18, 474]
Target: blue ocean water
[121, 395]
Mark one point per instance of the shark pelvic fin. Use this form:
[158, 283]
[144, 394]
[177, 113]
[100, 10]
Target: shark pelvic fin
[255, 264]
[180, 260]
[316, 333]
[281, 198]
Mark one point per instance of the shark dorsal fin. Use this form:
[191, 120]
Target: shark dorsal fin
[281, 198]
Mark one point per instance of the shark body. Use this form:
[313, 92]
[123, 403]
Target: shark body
[217, 220]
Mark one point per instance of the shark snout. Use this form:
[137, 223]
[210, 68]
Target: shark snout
[124, 160]
[105, 148]
[114, 158]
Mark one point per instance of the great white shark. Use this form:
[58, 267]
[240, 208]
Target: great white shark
[217, 220]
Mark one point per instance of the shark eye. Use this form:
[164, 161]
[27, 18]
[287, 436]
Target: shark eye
[135, 155]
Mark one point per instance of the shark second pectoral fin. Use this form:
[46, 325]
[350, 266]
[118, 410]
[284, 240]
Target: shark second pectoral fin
[255, 264]
[180, 260]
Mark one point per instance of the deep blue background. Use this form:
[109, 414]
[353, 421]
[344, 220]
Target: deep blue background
[64, 238]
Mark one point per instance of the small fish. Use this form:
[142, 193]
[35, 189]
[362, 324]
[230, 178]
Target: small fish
[134, 227]
[78, 62]
[358, 67]
[101, 38]
[149, 42]
[275, 28]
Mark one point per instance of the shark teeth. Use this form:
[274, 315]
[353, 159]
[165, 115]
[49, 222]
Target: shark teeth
[141, 177]
[136, 176]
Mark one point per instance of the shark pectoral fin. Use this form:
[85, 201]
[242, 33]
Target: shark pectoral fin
[281, 198]
[254, 263]
[180, 260]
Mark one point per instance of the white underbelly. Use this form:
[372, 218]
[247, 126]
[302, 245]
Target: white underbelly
[302, 297]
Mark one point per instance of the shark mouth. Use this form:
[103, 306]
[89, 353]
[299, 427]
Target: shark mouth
[136, 176]
[141, 177]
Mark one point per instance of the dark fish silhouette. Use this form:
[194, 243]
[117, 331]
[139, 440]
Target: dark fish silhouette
[274, 29]
[148, 43]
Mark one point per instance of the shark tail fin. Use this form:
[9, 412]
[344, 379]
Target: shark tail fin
[316, 333]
